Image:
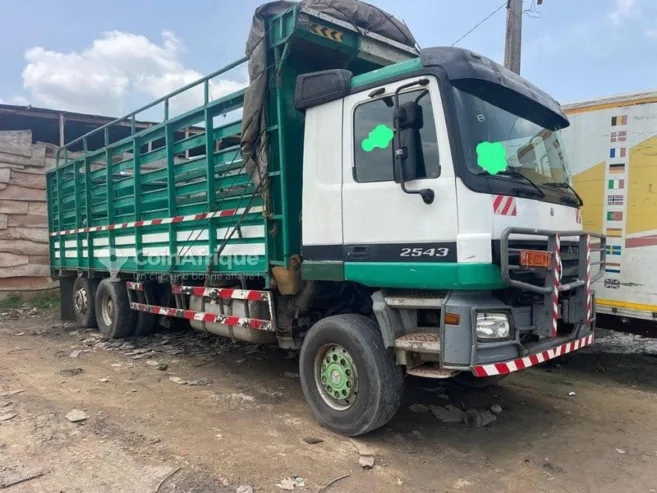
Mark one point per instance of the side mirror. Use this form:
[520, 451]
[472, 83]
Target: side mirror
[408, 120]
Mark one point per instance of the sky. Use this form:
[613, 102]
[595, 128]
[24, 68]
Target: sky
[110, 58]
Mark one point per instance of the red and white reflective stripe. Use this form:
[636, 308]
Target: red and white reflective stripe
[504, 206]
[134, 286]
[225, 293]
[557, 282]
[249, 323]
[157, 222]
[589, 301]
[532, 359]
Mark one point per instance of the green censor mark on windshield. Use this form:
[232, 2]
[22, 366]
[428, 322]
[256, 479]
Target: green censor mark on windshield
[380, 137]
[491, 156]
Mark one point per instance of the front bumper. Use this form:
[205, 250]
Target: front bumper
[510, 366]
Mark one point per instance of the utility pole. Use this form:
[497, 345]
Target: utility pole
[512, 47]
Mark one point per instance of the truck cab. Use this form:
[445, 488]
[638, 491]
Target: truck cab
[397, 212]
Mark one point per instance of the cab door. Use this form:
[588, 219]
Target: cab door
[382, 223]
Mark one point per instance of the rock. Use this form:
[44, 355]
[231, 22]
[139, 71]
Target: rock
[418, 408]
[236, 397]
[117, 365]
[496, 408]
[447, 414]
[417, 435]
[239, 361]
[7, 416]
[162, 366]
[143, 355]
[199, 382]
[104, 380]
[620, 450]
[251, 348]
[177, 380]
[366, 461]
[244, 489]
[290, 374]
[21, 334]
[71, 372]
[152, 362]
[75, 416]
[75, 354]
[572, 394]
[478, 419]
[287, 484]
[312, 440]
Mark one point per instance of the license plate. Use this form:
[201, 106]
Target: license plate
[535, 258]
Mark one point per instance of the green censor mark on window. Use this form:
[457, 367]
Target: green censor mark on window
[491, 156]
[380, 137]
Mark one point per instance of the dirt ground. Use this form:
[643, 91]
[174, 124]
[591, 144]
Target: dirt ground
[247, 426]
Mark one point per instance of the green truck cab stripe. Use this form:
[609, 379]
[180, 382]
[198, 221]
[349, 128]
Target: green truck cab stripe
[415, 275]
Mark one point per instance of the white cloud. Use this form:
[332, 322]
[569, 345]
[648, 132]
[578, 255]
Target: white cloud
[118, 64]
[623, 10]
[15, 100]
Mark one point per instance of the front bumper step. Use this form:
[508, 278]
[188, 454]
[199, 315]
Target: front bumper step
[419, 342]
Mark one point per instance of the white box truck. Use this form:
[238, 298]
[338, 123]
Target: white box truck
[611, 145]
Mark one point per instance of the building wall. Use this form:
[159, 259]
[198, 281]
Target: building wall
[24, 258]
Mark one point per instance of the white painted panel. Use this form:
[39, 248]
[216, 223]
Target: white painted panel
[322, 175]
[245, 249]
[381, 212]
[124, 240]
[126, 252]
[537, 215]
[247, 232]
[155, 251]
[102, 253]
[194, 235]
[101, 242]
[155, 238]
[473, 248]
[189, 251]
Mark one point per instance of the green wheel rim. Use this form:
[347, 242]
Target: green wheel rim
[336, 376]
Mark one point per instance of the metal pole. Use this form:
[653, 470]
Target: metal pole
[512, 47]
[62, 140]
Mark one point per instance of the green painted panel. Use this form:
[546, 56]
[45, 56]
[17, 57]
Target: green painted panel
[420, 275]
[386, 73]
[322, 271]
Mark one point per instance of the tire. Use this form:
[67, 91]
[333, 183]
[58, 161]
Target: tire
[469, 380]
[84, 300]
[115, 317]
[145, 322]
[378, 380]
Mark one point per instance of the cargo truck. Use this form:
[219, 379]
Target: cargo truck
[385, 210]
[612, 144]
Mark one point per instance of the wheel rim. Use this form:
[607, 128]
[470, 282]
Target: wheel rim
[80, 301]
[107, 309]
[336, 376]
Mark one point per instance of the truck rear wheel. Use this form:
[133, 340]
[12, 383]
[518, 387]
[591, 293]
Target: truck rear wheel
[115, 318]
[350, 381]
[84, 296]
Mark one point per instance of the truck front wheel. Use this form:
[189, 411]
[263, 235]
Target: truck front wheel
[350, 381]
[115, 317]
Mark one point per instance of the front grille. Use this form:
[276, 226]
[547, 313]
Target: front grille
[536, 277]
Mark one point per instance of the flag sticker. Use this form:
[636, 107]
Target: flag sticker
[613, 268]
[616, 184]
[618, 136]
[613, 250]
[618, 120]
[617, 168]
[614, 200]
[614, 232]
[617, 152]
[615, 216]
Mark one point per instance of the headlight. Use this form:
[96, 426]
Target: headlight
[492, 326]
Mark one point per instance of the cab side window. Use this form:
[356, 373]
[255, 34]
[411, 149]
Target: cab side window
[373, 139]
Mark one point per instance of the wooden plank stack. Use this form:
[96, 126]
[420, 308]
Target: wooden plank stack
[24, 259]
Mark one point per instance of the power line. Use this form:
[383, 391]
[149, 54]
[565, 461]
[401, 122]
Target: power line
[481, 22]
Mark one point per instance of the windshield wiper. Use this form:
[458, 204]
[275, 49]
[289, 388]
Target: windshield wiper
[565, 185]
[518, 174]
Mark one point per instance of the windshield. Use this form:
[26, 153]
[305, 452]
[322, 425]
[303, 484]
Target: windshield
[497, 142]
